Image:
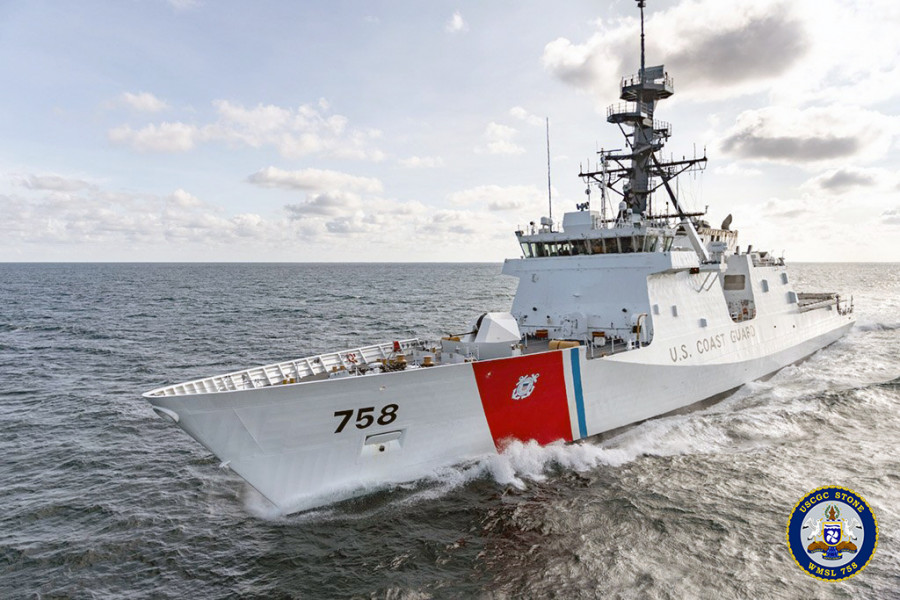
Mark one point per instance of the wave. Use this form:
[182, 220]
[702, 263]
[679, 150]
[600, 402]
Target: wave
[518, 465]
[521, 461]
[876, 326]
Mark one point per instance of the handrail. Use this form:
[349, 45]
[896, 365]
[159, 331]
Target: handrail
[626, 108]
[276, 373]
[636, 80]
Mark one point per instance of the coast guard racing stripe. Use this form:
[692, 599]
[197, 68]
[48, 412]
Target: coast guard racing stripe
[525, 398]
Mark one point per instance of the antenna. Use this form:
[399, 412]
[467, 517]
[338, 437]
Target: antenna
[549, 193]
[641, 4]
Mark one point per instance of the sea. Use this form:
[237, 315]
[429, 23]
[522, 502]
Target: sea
[100, 498]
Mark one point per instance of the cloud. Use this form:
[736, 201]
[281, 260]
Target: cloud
[314, 180]
[165, 137]
[844, 179]
[753, 145]
[94, 222]
[891, 217]
[296, 133]
[102, 218]
[326, 203]
[499, 198]
[753, 41]
[421, 162]
[523, 115]
[142, 102]
[308, 130]
[54, 183]
[183, 199]
[791, 135]
[456, 24]
[356, 223]
[499, 140]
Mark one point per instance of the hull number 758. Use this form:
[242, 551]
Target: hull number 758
[365, 416]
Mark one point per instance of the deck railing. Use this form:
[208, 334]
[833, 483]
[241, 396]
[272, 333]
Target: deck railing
[290, 371]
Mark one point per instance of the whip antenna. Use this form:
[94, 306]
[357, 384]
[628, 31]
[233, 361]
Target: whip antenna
[549, 193]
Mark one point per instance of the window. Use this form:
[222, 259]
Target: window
[735, 282]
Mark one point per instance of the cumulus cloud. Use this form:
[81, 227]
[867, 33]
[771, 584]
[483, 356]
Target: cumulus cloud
[165, 137]
[498, 139]
[455, 222]
[791, 135]
[183, 199]
[456, 24]
[520, 113]
[307, 130]
[313, 180]
[326, 203]
[751, 40]
[92, 217]
[55, 218]
[357, 223]
[142, 102]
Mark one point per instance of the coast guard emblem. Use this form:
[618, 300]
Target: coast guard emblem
[525, 387]
[832, 533]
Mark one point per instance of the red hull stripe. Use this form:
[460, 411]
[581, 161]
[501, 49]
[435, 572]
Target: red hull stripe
[524, 398]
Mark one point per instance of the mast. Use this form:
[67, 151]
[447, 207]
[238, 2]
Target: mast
[638, 169]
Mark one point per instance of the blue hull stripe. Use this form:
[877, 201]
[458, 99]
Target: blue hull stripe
[579, 396]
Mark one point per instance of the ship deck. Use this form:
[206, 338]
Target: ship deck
[362, 361]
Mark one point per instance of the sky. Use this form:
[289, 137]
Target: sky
[402, 130]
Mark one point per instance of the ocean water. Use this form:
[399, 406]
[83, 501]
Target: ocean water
[99, 498]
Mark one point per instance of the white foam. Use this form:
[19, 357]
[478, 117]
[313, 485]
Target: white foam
[522, 461]
[259, 506]
[443, 481]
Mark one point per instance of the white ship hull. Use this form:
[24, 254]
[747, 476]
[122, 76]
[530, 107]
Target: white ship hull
[282, 439]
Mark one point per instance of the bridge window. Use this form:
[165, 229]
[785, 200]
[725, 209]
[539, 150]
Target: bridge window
[610, 245]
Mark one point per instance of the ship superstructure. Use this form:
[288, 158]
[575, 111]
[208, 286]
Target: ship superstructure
[620, 315]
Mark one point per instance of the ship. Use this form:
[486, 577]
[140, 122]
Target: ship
[621, 314]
